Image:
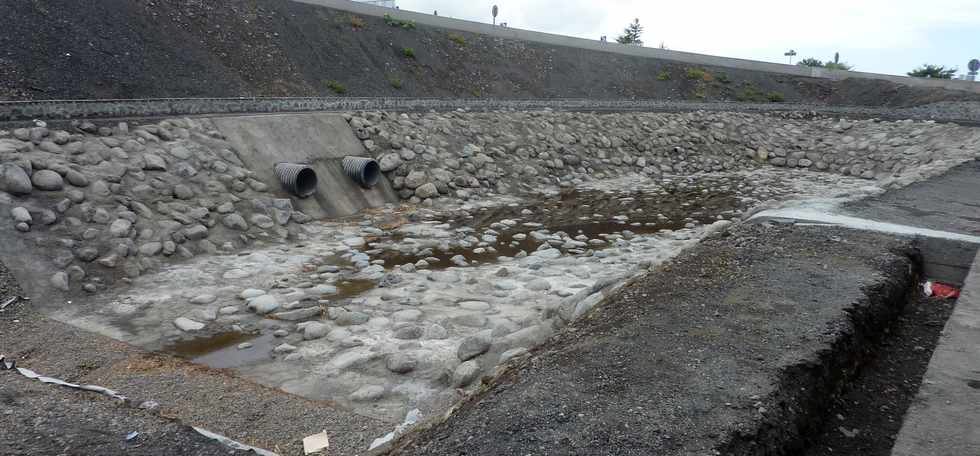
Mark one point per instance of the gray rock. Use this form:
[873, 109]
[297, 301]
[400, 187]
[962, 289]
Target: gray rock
[206, 298]
[444, 277]
[351, 318]
[389, 162]
[407, 315]
[435, 332]
[408, 333]
[401, 363]
[188, 325]
[262, 221]
[183, 192]
[474, 346]
[48, 217]
[196, 232]
[284, 348]
[15, 180]
[263, 304]
[48, 180]
[151, 248]
[465, 374]
[538, 285]
[76, 178]
[60, 281]
[226, 207]
[152, 162]
[514, 352]
[234, 221]
[120, 228]
[304, 313]
[427, 190]
[315, 330]
[414, 179]
[21, 214]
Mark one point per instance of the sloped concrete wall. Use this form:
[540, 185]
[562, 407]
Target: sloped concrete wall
[320, 140]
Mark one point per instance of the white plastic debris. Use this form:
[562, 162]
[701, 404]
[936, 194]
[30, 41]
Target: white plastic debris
[233, 444]
[11, 365]
[411, 418]
[316, 443]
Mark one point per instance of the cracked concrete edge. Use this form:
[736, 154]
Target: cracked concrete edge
[945, 417]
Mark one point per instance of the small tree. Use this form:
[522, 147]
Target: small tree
[838, 66]
[810, 62]
[933, 71]
[631, 34]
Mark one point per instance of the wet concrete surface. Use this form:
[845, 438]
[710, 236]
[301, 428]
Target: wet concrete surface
[950, 202]
[732, 359]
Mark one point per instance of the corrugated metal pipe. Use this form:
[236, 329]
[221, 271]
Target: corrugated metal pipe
[298, 179]
[365, 171]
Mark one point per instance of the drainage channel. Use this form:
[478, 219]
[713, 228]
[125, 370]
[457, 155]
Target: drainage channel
[860, 409]
[867, 417]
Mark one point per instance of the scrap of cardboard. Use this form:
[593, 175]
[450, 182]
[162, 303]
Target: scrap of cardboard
[316, 443]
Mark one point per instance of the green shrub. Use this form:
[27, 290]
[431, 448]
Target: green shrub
[336, 87]
[408, 52]
[750, 93]
[775, 97]
[476, 93]
[697, 73]
[723, 78]
[457, 38]
[356, 22]
[663, 76]
[395, 82]
[391, 21]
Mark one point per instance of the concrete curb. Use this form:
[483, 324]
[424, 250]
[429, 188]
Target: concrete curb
[945, 417]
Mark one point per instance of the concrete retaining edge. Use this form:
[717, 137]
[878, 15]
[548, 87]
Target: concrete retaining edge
[655, 53]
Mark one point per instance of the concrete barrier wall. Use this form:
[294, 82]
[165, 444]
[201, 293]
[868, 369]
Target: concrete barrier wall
[596, 45]
[320, 140]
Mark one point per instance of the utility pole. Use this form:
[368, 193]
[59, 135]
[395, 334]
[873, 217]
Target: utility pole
[791, 53]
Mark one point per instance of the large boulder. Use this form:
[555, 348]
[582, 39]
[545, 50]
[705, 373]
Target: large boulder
[427, 190]
[46, 179]
[13, 179]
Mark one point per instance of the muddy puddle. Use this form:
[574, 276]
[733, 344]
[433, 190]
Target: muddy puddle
[592, 217]
[225, 350]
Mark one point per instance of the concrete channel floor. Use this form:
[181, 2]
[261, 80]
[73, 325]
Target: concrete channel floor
[944, 420]
[729, 348]
[37, 418]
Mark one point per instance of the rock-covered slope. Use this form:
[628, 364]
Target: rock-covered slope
[62, 49]
[101, 202]
[467, 154]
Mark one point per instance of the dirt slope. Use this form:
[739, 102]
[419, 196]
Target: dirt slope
[65, 49]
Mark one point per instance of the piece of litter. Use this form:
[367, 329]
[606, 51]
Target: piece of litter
[231, 443]
[316, 443]
[132, 435]
[940, 290]
[5, 365]
[411, 418]
[8, 302]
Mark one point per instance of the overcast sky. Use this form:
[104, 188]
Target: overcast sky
[882, 36]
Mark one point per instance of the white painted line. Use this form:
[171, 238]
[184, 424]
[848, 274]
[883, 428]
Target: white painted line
[807, 216]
